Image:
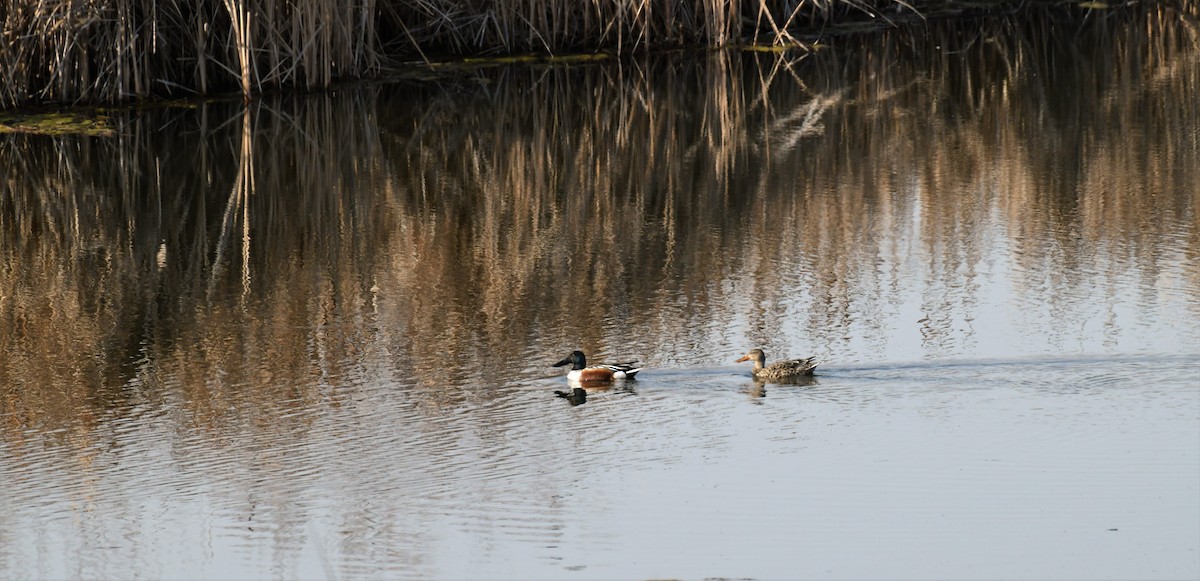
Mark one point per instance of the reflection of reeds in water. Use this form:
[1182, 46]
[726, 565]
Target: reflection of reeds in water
[259, 262]
[143, 258]
[1105, 185]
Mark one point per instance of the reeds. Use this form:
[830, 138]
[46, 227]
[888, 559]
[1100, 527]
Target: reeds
[114, 50]
[107, 51]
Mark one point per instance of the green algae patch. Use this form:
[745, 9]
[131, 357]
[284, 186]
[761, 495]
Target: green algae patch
[780, 48]
[57, 123]
[501, 60]
[532, 59]
[579, 58]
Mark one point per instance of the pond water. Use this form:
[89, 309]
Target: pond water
[313, 339]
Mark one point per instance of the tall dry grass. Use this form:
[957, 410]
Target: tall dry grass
[106, 51]
[113, 50]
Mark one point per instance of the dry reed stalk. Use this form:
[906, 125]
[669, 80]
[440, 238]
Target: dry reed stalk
[240, 21]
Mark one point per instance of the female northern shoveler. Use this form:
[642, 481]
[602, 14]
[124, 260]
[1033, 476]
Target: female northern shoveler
[597, 373]
[787, 369]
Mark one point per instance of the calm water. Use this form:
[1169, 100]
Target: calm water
[313, 339]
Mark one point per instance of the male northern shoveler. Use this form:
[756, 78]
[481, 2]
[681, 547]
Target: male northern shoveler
[787, 369]
[597, 373]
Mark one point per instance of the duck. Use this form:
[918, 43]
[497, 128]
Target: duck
[786, 369]
[581, 372]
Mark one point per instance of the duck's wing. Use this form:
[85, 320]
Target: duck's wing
[797, 366]
[629, 369]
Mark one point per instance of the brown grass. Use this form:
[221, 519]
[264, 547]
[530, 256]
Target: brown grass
[107, 51]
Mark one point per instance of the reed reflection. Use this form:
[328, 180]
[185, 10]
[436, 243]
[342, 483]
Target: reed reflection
[420, 229]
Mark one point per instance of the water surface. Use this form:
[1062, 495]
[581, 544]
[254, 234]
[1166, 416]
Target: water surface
[313, 339]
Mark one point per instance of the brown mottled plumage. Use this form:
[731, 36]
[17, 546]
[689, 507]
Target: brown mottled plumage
[786, 369]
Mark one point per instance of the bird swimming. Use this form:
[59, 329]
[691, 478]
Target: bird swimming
[581, 372]
[786, 369]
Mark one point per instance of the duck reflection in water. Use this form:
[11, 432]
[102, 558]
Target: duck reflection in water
[577, 396]
[757, 387]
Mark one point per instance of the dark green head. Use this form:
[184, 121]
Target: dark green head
[576, 359]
